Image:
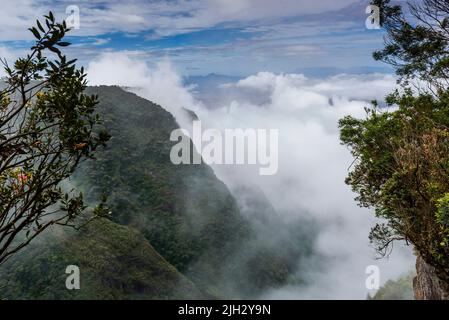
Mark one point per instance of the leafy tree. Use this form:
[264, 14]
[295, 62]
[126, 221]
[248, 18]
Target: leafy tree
[47, 127]
[401, 164]
[417, 47]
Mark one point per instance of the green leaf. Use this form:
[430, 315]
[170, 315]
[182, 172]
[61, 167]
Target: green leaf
[71, 62]
[35, 33]
[63, 44]
[55, 50]
[40, 26]
[53, 66]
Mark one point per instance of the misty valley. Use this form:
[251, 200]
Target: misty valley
[217, 152]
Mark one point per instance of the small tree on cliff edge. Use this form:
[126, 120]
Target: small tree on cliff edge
[47, 127]
[402, 157]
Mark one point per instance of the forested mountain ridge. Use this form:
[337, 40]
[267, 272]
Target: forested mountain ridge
[184, 212]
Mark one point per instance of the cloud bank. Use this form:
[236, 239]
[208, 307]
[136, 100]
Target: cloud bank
[312, 163]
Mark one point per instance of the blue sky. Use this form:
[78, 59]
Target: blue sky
[231, 37]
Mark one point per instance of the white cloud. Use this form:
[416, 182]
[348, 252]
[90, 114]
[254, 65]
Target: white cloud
[312, 169]
[161, 84]
[286, 34]
[164, 17]
[312, 163]
[10, 56]
[172, 17]
[16, 16]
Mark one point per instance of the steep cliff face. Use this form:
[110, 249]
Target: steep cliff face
[426, 285]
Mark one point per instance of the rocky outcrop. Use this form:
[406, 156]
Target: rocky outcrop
[426, 285]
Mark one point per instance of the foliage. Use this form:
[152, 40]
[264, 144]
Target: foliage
[115, 262]
[399, 289]
[417, 42]
[401, 163]
[401, 169]
[47, 127]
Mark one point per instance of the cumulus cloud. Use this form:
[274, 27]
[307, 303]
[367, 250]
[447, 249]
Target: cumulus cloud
[312, 163]
[161, 84]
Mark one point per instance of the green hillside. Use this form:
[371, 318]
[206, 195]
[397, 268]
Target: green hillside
[399, 289]
[115, 262]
